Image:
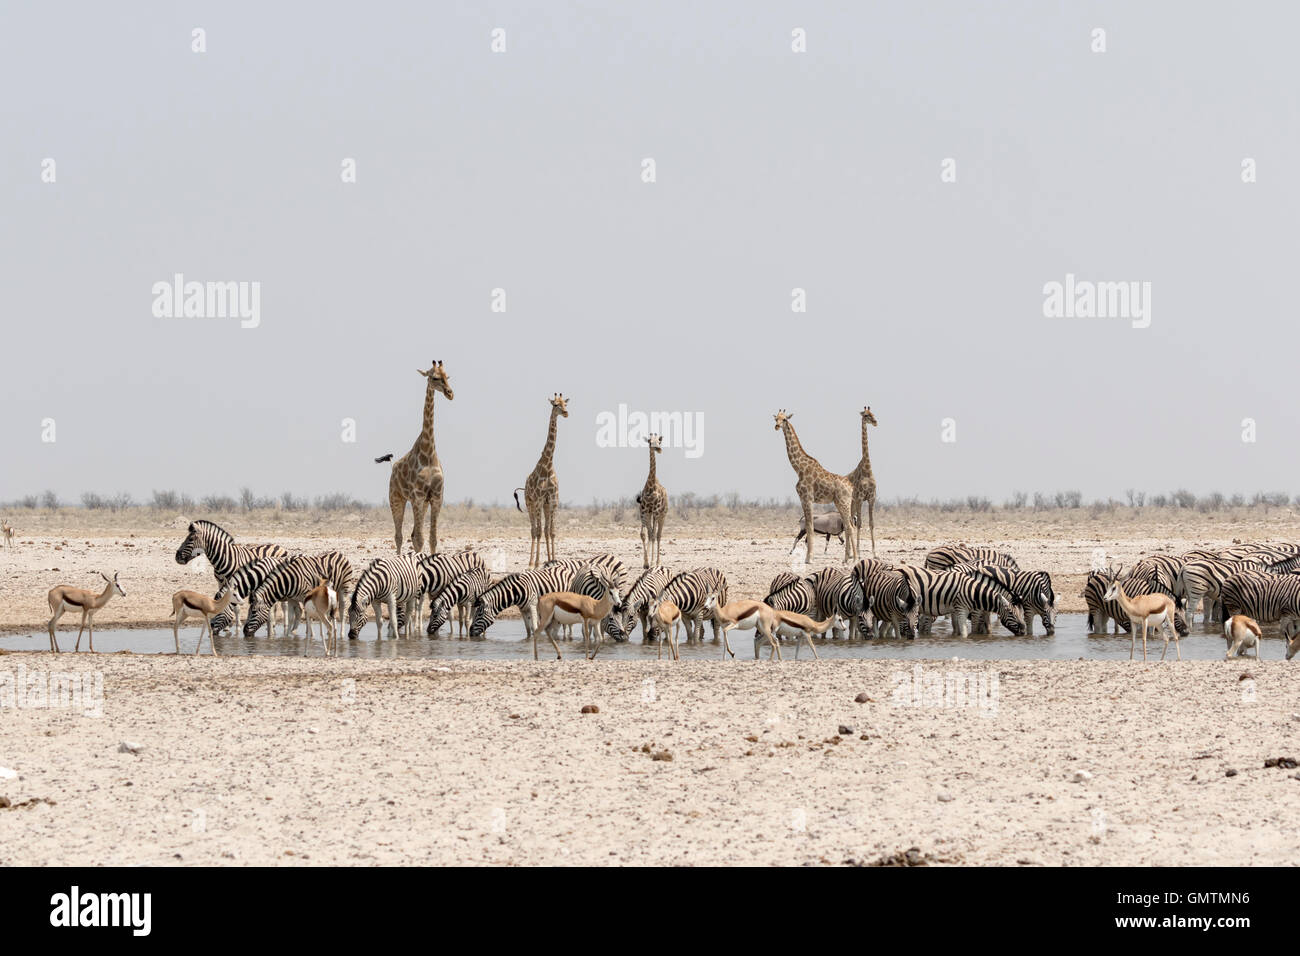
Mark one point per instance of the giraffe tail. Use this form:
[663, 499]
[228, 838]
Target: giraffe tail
[384, 458]
[517, 490]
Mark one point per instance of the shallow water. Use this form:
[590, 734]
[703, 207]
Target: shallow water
[506, 641]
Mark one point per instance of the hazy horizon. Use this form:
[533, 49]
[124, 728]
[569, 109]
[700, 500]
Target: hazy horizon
[775, 170]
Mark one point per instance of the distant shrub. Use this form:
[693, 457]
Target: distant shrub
[218, 503]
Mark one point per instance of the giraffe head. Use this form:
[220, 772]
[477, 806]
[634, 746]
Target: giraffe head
[559, 404]
[656, 443]
[782, 417]
[437, 377]
[867, 417]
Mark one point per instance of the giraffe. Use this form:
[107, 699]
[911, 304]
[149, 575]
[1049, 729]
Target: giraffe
[542, 491]
[653, 502]
[417, 475]
[816, 484]
[864, 486]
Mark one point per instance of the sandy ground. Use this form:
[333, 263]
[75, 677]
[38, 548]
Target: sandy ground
[750, 546]
[306, 761]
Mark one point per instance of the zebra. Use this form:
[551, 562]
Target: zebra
[1203, 579]
[602, 572]
[522, 590]
[221, 550]
[836, 594]
[1031, 592]
[690, 591]
[888, 598]
[439, 570]
[955, 594]
[943, 559]
[290, 581]
[715, 581]
[245, 580]
[461, 594]
[1265, 597]
[790, 592]
[395, 581]
[637, 604]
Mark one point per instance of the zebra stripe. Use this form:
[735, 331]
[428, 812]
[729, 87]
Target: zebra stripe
[244, 581]
[945, 558]
[689, 591]
[1265, 597]
[789, 592]
[888, 598]
[461, 593]
[222, 552]
[395, 581]
[522, 590]
[637, 604]
[836, 594]
[955, 594]
[291, 581]
[1031, 592]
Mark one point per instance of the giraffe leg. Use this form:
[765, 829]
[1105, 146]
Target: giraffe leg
[434, 508]
[418, 506]
[398, 505]
[645, 541]
[807, 523]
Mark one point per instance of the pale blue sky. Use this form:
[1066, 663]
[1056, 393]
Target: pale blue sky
[775, 170]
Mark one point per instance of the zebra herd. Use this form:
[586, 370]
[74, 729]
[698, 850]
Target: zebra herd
[878, 599]
[874, 599]
[1258, 581]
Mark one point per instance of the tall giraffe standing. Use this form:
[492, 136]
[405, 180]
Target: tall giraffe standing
[653, 502]
[816, 484]
[864, 486]
[417, 475]
[542, 491]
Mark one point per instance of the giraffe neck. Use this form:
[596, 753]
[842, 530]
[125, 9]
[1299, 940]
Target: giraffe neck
[792, 447]
[651, 480]
[864, 466]
[424, 446]
[548, 451]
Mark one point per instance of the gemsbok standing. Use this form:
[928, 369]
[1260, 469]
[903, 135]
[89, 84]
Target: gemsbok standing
[64, 597]
[193, 604]
[1152, 610]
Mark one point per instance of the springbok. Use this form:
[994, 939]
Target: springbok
[793, 624]
[664, 616]
[1291, 634]
[748, 615]
[568, 607]
[8, 531]
[1241, 632]
[1151, 609]
[64, 597]
[193, 604]
[319, 604]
